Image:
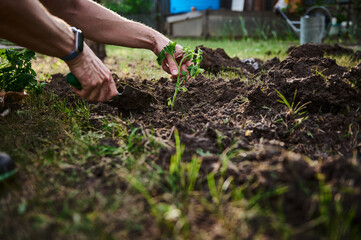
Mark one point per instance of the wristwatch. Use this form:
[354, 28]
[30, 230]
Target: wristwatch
[79, 44]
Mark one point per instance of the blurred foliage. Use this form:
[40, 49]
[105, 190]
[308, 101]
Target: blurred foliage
[129, 6]
[16, 73]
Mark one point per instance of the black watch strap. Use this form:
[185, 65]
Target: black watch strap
[79, 44]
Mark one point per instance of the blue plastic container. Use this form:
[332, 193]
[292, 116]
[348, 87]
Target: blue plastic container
[182, 6]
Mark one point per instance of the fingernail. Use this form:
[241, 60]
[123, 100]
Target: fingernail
[174, 72]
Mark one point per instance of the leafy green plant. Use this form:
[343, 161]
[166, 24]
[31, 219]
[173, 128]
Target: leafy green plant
[193, 70]
[16, 73]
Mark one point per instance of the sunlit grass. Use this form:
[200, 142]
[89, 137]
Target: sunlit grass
[245, 48]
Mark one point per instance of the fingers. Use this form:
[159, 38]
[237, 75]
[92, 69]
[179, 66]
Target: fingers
[165, 67]
[173, 70]
[101, 91]
[170, 66]
[96, 79]
[109, 89]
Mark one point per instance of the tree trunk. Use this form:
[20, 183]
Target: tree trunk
[356, 20]
[97, 48]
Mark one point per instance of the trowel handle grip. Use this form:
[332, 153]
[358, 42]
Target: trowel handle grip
[72, 80]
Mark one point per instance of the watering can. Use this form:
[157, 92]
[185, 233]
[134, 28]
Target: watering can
[314, 24]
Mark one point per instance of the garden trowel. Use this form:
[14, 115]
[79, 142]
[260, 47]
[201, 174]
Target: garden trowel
[129, 99]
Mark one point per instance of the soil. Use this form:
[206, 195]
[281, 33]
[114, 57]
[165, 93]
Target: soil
[274, 145]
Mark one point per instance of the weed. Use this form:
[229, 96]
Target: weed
[292, 108]
[243, 27]
[182, 176]
[229, 29]
[336, 220]
[262, 29]
[193, 70]
[320, 73]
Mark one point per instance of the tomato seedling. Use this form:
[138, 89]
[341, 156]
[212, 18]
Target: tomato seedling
[192, 71]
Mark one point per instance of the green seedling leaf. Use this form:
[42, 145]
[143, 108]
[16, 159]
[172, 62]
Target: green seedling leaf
[195, 71]
[161, 57]
[170, 48]
[184, 73]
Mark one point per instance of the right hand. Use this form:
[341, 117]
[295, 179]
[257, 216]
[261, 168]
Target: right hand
[168, 64]
[96, 79]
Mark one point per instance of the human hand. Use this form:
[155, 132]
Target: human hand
[168, 63]
[96, 79]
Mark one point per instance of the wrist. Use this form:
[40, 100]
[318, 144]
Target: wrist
[160, 42]
[80, 59]
[78, 45]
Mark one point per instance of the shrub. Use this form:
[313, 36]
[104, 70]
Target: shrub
[16, 73]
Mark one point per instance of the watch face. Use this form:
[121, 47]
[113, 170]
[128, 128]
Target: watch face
[79, 38]
[81, 41]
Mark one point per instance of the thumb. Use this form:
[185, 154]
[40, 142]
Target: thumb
[172, 66]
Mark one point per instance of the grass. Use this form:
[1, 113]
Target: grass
[247, 48]
[75, 181]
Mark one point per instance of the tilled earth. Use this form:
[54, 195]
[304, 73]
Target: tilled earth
[315, 140]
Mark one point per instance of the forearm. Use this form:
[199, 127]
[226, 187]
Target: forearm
[102, 25]
[35, 29]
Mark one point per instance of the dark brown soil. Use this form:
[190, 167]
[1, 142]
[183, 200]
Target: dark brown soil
[312, 50]
[217, 60]
[274, 146]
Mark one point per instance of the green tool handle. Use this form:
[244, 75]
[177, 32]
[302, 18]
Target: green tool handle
[72, 80]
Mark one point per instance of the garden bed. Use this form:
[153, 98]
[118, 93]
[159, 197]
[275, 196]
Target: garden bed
[284, 135]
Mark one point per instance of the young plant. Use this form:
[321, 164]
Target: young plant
[16, 73]
[193, 70]
[292, 108]
[320, 73]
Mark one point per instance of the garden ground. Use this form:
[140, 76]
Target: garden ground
[265, 144]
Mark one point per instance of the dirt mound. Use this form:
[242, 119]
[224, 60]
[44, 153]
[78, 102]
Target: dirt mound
[317, 80]
[354, 75]
[217, 60]
[318, 50]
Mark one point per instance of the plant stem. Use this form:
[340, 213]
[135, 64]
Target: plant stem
[178, 83]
